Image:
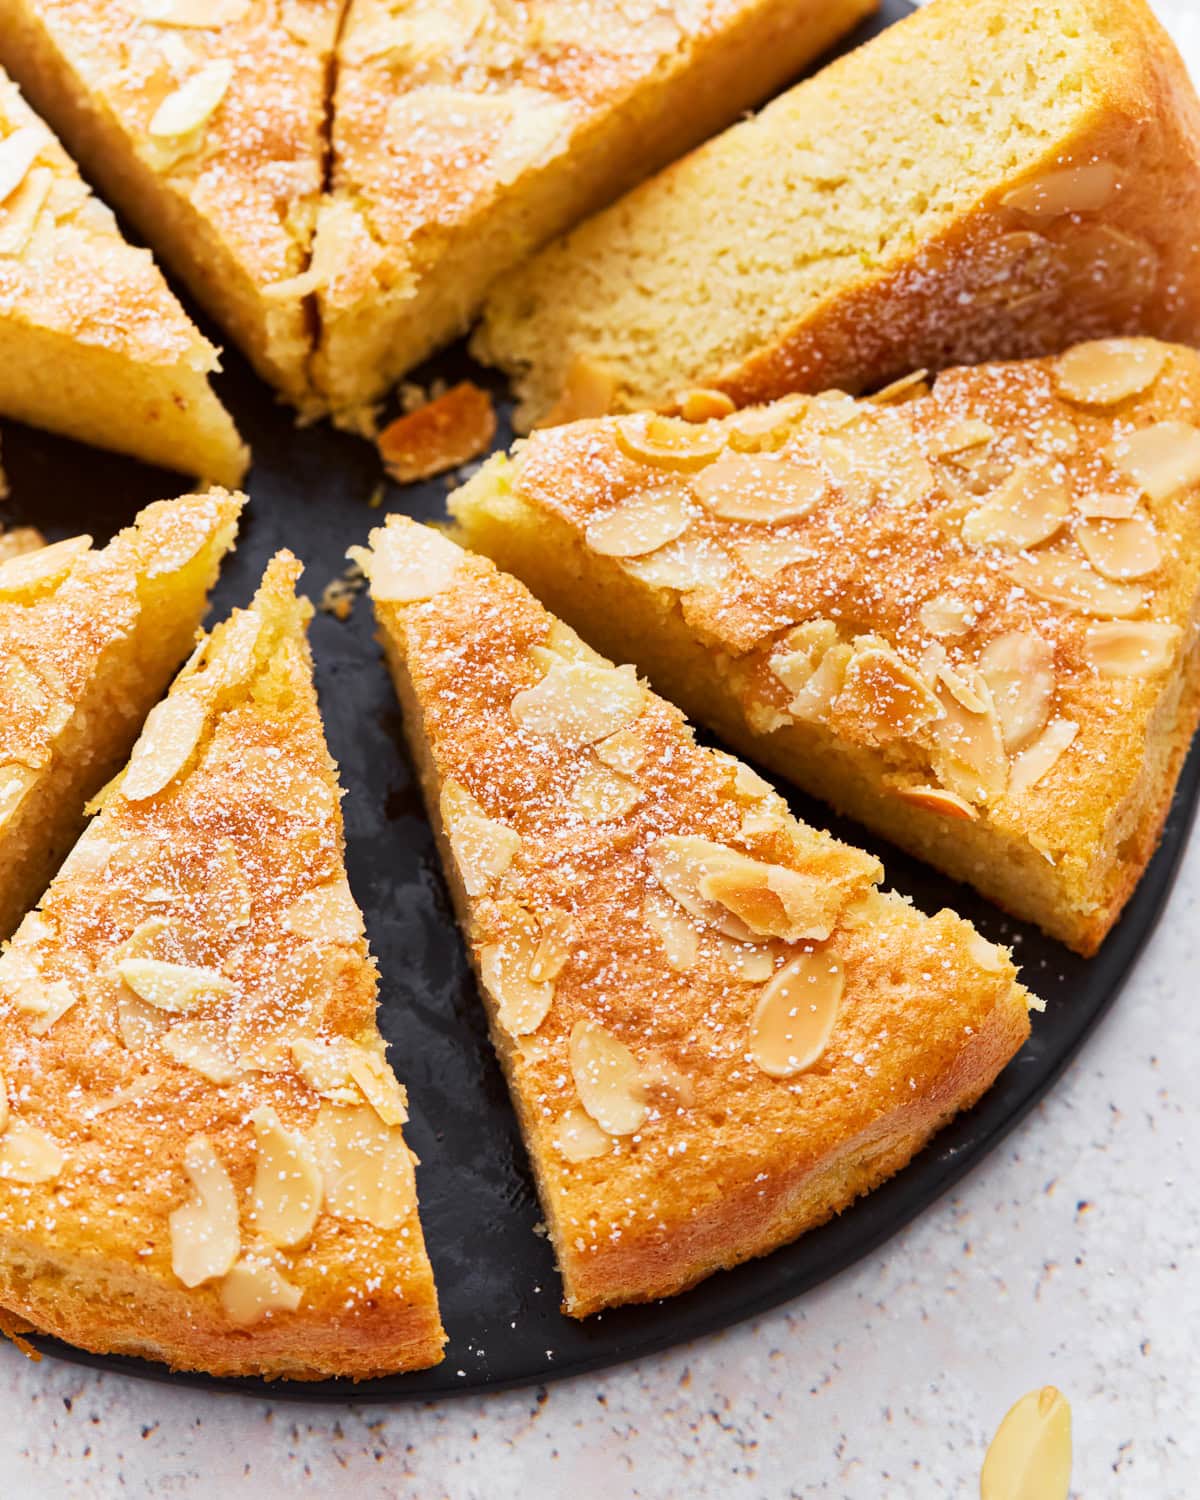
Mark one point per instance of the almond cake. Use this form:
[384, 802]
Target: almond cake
[93, 343]
[468, 132]
[89, 639]
[201, 1153]
[988, 179]
[965, 615]
[204, 121]
[717, 1030]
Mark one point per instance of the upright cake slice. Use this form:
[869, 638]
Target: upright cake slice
[92, 342]
[204, 121]
[968, 619]
[989, 179]
[717, 1030]
[466, 134]
[201, 1157]
[88, 642]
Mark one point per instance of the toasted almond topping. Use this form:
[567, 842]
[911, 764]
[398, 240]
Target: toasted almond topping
[624, 751]
[608, 1078]
[201, 14]
[770, 552]
[1028, 508]
[602, 795]
[327, 912]
[691, 562]
[1030, 1456]
[796, 1014]
[483, 847]
[1039, 758]
[759, 487]
[36, 572]
[140, 1025]
[408, 567]
[740, 961]
[20, 214]
[1055, 435]
[812, 666]
[253, 1290]
[907, 388]
[588, 391]
[946, 617]
[577, 703]
[1108, 505]
[1161, 460]
[168, 742]
[377, 1083]
[16, 782]
[680, 863]
[761, 427]
[882, 698]
[556, 933]
[969, 753]
[366, 1167]
[46, 1003]
[205, 1238]
[18, 152]
[173, 987]
[667, 442]
[1132, 648]
[443, 434]
[640, 525]
[579, 1138]
[937, 799]
[1063, 579]
[680, 940]
[772, 900]
[703, 405]
[28, 1154]
[990, 958]
[1109, 370]
[324, 1066]
[1019, 670]
[1121, 549]
[959, 437]
[287, 1181]
[231, 653]
[1082, 189]
[522, 1002]
[197, 1045]
[194, 103]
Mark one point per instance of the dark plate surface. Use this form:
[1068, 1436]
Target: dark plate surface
[499, 1289]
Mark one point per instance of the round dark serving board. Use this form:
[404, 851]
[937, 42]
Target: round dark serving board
[499, 1290]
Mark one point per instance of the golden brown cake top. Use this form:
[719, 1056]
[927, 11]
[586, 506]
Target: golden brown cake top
[690, 986]
[64, 266]
[988, 582]
[195, 1091]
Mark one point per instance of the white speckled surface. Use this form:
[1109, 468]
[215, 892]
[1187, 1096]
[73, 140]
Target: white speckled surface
[1069, 1257]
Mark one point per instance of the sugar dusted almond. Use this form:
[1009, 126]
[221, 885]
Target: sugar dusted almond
[908, 388]
[140, 1026]
[959, 437]
[1108, 505]
[602, 795]
[937, 799]
[579, 1138]
[556, 934]
[1019, 670]
[969, 755]
[756, 428]
[377, 1083]
[1030, 1456]
[1161, 460]
[704, 405]
[1107, 371]
[522, 1003]
[205, 1238]
[577, 704]
[44, 1003]
[200, 14]
[28, 1155]
[192, 105]
[882, 697]
[946, 616]
[772, 900]
[1082, 189]
[766, 555]
[173, 987]
[691, 562]
[253, 1290]
[1030, 507]
[1121, 549]
[287, 1190]
[196, 1044]
[796, 1014]
[31, 573]
[327, 912]
[624, 751]
[366, 1167]
[18, 152]
[990, 958]
[1039, 759]
[1131, 648]
[640, 525]
[169, 740]
[608, 1078]
[669, 923]
[16, 782]
[667, 442]
[759, 487]
[679, 863]
[408, 567]
[483, 847]
[1061, 578]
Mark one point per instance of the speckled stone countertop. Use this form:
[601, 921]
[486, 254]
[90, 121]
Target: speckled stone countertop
[1070, 1256]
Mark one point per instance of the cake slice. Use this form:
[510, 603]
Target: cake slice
[89, 639]
[204, 122]
[93, 343]
[467, 134]
[717, 1030]
[967, 618]
[988, 179]
[201, 1154]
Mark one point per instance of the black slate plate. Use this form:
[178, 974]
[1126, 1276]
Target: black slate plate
[496, 1276]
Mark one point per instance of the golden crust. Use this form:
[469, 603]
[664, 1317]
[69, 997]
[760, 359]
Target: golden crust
[199, 963]
[978, 561]
[676, 1153]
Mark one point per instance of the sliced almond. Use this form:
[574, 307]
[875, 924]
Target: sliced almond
[936, 799]
[193, 104]
[324, 1065]
[969, 753]
[669, 923]
[691, 562]
[1019, 670]
[483, 847]
[522, 1002]
[668, 443]
[205, 1238]
[443, 434]
[1109, 370]
[946, 617]
[768, 554]
[1040, 758]
[1121, 549]
[908, 388]
[208, 15]
[680, 863]
[194, 1044]
[287, 1189]
[4, 1108]
[1061, 578]
[756, 428]
[1108, 505]
[1132, 648]
[1161, 460]
[36, 572]
[882, 698]
[328, 912]
[168, 742]
[366, 1167]
[645, 523]
[796, 1014]
[704, 405]
[760, 487]
[577, 704]
[18, 152]
[602, 795]
[608, 1078]
[579, 1138]
[378, 1085]
[16, 782]
[28, 1154]
[624, 751]
[556, 933]
[44, 1003]
[1082, 189]
[772, 900]
[1029, 507]
[1030, 1456]
[253, 1290]
[958, 437]
[173, 987]
[741, 962]
[408, 567]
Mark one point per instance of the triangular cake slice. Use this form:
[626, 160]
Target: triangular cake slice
[201, 1154]
[93, 343]
[467, 132]
[204, 122]
[966, 618]
[717, 1030]
[89, 639]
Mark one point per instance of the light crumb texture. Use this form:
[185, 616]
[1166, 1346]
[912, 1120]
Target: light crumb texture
[468, 132]
[204, 121]
[967, 616]
[987, 179]
[89, 639]
[93, 344]
[201, 1155]
[717, 1030]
